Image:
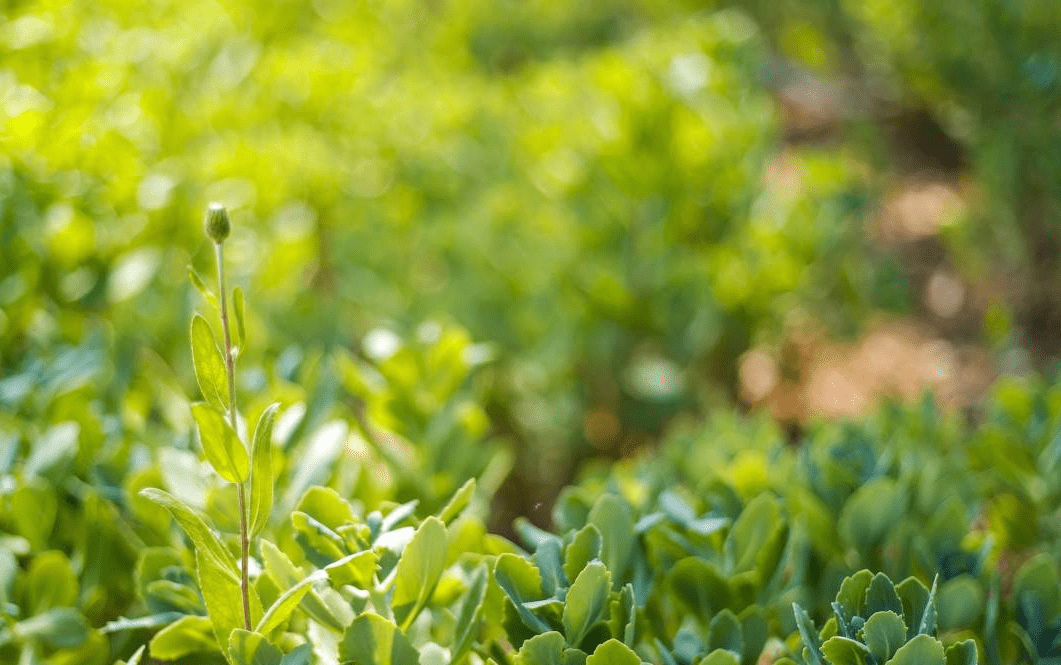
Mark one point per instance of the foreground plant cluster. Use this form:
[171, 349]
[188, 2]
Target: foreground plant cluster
[911, 539]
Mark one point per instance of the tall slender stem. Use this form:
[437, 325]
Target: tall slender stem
[230, 369]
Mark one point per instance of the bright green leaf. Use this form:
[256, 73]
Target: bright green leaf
[586, 601]
[189, 634]
[419, 570]
[922, 650]
[613, 652]
[373, 640]
[585, 547]
[247, 648]
[261, 493]
[196, 528]
[222, 447]
[209, 364]
[238, 307]
[844, 651]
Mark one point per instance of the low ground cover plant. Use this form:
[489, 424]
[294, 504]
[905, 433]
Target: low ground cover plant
[299, 540]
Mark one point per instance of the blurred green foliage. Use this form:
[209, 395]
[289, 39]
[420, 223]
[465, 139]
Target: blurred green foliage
[586, 189]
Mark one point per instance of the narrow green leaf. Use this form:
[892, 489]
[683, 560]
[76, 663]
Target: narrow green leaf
[613, 652]
[280, 610]
[209, 364]
[247, 648]
[373, 640]
[202, 288]
[809, 633]
[222, 447]
[458, 502]
[189, 634]
[238, 307]
[262, 479]
[586, 601]
[470, 615]
[195, 526]
[419, 570]
[285, 574]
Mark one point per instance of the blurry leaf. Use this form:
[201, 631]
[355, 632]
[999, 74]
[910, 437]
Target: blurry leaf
[698, 585]
[52, 455]
[373, 640]
[60, 628]
[959, 603]
[50, 582]
[238, 306]
[458, 502]
[209, 364]
[725, 633]
[962, 653]
[222, 447]
[419, 570]
[262, 480]
[202, 288]
[187, 635]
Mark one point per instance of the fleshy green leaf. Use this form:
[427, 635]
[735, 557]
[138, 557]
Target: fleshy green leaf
[962, 653]
[522, 583]
[614, 519]
[261, 494]
[613, 652]
[922, 650]
[885, 632]
[585, 547]
[419, 570]
[725, 633]
[373, 640]
[209, 364]
[50, 582]
[189, 634]
[238, 308]
[881, 596]
[544, 649]
[195, 526]
[845, 651]
[586, 601]
[247, 648]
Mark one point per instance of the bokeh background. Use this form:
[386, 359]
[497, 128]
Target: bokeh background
[547, 228]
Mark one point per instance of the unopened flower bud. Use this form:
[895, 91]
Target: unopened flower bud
[217, 224]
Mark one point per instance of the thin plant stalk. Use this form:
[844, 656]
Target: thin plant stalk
[230, 369]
